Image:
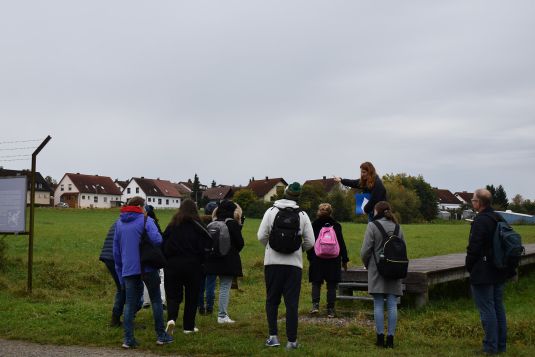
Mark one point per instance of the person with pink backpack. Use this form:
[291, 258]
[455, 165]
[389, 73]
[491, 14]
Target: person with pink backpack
[327, 258]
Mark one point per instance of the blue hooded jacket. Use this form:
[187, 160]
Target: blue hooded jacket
[126, 240]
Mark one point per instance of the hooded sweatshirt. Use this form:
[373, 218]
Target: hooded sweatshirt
[272, 257]
[128, 230]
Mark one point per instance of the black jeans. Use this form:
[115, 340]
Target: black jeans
[331, 293]
[283, 280]
[180, 278]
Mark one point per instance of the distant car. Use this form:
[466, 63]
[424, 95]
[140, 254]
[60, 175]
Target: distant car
[62, 205]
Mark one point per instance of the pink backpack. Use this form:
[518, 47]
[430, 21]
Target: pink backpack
[326, 246]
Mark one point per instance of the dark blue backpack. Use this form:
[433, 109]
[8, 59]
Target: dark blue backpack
[507, 246]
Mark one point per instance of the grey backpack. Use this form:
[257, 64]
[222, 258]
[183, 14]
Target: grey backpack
[220, 238]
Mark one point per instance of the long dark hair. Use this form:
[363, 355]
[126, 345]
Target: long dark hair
[186, 212]
[384, 210]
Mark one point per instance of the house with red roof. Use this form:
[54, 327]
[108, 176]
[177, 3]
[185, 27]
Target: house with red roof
[267, 188]
[87, 191]
[328, 184]
[156, 192]
[464, 197]
[447, 200]
[218, 193]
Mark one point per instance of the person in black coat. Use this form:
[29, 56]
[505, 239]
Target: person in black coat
[229, 266]
[106, 256]
[184, 242]
[328, 270]
[369, 182]
[487, 281]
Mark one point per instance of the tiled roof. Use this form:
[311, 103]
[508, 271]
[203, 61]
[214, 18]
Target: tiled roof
[183, 188]
[157, 187]
[94, 184]
[262, 187]
[327, 183]
[123, 184]
[446, 197]
[218, 193]
[466, 196]
[38, 178]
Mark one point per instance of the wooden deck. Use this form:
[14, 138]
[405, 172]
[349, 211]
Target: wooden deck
[427, 272]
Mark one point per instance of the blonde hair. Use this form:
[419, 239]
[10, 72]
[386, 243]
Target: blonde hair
[324, 210]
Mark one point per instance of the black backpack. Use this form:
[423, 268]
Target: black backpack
[393, 262]
[507, 246]
[284, 237]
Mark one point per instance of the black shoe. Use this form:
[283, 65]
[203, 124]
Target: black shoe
[115, 321]
[209, 311]
[380, 340]
[331, 312]
[389, 341]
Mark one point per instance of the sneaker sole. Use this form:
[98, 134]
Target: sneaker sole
[170, 329]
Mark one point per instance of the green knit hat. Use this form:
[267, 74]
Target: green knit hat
[292, 191]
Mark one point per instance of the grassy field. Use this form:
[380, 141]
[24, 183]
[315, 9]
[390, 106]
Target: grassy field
[73, 295]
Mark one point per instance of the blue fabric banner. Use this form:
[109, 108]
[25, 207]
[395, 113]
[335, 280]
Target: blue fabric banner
[361, 199]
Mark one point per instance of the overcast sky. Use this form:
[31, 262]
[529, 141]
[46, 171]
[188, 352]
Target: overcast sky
[295, 89]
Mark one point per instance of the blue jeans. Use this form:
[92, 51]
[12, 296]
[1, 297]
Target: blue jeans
[378, 312]
[208, 283]
[118, 304]
[134, 300]
[225, 282]
[489, 301]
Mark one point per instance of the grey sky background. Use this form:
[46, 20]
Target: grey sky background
[295, 89]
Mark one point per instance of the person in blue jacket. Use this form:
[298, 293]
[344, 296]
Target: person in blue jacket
[128, 230]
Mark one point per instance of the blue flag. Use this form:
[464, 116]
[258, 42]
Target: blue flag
[361, 199]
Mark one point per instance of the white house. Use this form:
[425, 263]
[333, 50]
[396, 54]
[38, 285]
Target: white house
[42, 189]
[447, 200]
[267, 188]
[156, 192]
[87, 191]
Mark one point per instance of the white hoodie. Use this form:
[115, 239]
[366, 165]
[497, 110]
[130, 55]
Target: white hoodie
[272, 257]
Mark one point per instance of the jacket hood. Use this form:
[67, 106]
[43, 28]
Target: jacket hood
[129, 216]
[284, 203]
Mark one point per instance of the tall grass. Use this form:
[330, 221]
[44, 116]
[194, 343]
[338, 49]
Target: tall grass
[73, 295]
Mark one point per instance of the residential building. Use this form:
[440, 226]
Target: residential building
[447, 200]
[268, 188]
[464, 197]
[42, 189]
[87, 191]
[156, 192]
[218, 193]
[328, 184]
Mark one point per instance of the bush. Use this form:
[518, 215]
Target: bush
[256, 209]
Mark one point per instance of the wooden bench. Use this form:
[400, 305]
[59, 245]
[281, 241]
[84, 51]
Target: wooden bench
[425, 273]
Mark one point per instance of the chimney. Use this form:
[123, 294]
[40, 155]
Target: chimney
[142, 177]
[267, 178]
[324, 177]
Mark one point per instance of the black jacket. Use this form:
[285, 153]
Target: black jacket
[185, 242]
[326, 269]
[479, 251]
[377, 193]
[106, 254]
[230, 264]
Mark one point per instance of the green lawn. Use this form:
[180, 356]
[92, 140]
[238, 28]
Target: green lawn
[73, 294]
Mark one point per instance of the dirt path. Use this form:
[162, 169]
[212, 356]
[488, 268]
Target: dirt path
[28, 349]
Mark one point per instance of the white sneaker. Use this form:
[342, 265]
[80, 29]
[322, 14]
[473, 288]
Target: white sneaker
[225, 320]
[195, 329]
[170, 329]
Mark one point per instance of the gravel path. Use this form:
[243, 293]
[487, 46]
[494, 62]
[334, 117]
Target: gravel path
[29, 349]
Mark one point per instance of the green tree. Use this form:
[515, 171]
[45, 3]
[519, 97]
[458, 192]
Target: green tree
[342, 208]
[500, 198]
[244, 197]
[311, 196]
[404, 202]
[196, 190]
[428, 208]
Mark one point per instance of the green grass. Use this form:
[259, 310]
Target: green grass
[73, 294]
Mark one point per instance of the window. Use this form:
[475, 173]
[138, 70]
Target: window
[95, 199]
[61, 188]
[105, 199]
[167, 202]
[83, 197]
[70, 187]
[150, 199]
[137, 189]
[128, 190]
[159, 201]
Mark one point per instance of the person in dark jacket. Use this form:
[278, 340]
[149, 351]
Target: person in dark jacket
[106, 256]
[185, 239]
[126, 241]
[146, 299]
[228, 266]
[487, 282]
[327, 270]
[207, 288]
[369, 182]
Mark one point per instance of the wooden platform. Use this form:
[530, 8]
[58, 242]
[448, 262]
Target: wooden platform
[427, 272]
